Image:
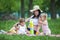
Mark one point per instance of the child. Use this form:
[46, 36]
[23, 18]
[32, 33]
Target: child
[20, 28]
[43, 22]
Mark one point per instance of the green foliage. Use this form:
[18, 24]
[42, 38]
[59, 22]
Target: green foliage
[45, 4]
[58, 5]
[26, 3]
[9, 5]
[42, 3]
[15, 5]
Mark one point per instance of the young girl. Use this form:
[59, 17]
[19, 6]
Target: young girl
[43, 22]
[20, 28]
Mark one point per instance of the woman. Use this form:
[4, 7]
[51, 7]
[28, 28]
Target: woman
[36, 13]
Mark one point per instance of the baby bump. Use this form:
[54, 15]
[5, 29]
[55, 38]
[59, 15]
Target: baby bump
[36, 27]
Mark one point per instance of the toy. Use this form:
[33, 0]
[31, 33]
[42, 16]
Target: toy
[31, 27]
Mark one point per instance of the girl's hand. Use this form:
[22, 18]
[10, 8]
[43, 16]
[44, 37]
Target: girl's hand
[40, 22]
[44, 23]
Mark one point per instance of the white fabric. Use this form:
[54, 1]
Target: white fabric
[22, 29]
[35, 20]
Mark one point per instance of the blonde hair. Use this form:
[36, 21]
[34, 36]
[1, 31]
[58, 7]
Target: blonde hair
[21, 20]
[44, 14]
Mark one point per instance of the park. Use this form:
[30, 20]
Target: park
[11, 12]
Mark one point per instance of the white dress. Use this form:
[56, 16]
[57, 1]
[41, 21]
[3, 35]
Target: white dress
[22, 29]
[35, 20]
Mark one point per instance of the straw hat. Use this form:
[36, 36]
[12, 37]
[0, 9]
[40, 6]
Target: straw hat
[44, 14]
[36, 7]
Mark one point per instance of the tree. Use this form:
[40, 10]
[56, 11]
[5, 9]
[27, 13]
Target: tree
[9, 5]
[52, 9]
[30, 6]
[22, 8]
[57, 5]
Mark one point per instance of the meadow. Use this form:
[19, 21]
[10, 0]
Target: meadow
[54, 25]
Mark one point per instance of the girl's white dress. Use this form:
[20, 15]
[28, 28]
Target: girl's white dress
[22, 29]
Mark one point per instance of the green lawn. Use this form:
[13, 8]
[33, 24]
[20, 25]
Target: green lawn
[24, 37]
[54, 25]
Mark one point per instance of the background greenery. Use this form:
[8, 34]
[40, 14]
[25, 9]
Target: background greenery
[23, 6]
[15, 5]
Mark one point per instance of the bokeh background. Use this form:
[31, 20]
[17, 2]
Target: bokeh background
[12, 10]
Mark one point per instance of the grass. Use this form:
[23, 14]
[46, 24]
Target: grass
[54, 25]
[24, 37]
[6, 25]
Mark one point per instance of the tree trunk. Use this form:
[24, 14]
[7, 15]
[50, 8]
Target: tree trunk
[18, 14]
[22, 8]
[30, 6]
[52, 9]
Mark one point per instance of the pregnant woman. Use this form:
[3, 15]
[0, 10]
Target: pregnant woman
[36, 13]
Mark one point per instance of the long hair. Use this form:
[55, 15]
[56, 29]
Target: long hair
[37, 15]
